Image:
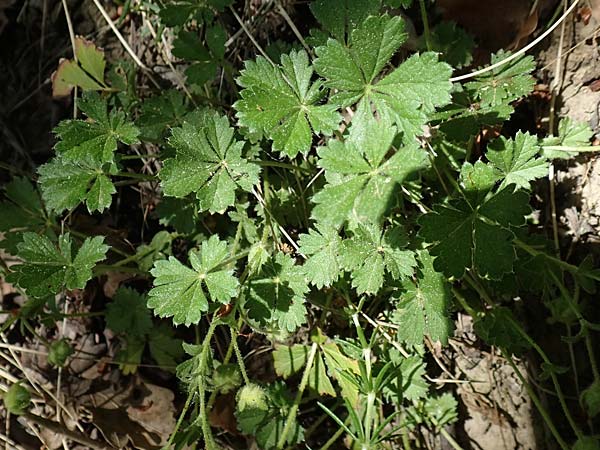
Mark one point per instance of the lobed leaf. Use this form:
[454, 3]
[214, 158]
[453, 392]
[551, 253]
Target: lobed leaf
[282, 103]
[183, 293]
[208, 161]
[48, 268]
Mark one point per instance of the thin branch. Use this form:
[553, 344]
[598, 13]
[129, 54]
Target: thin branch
[520, 52]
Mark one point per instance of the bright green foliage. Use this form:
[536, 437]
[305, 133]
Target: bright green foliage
[48, 268]
[97, 137]
[453, 43]
[128, 314]
[405, 96]
[329, 363]
[282, 103]
[466, 235]
[422, 309]
[265, 420]
[275, 296]
[361, 176]
[370, 253]
[478, 179]
[183, 293]
[59, 352]
[572, 136]
[441, 410]
[290, 360]
[252, 396]
[349, 69]
[341, 368]
[21, 211]
[412, 378]
[322, 246]
[209, 162]
[506, 83]
[516, 160]
[85, 158]
[335, 155]
[66, 183]
[17, 399]
[340, 17]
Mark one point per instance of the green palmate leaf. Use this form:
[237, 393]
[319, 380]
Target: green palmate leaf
[478, 179]
[572, 138]
[282, 103]
[506, 83]
[422, 309]
[87, 72]
[96, 137]
[127, 313]
[209, 162]
[516, 160]
[290, 360]
[340, 17]
[65, 183]
[183, 293]
[409, 382]
[21, 211]
[466, 235]
[406, 95]
[322, 247]
[370, 253]
[160, 112]
[453, 43]
[361, 176]
[275, 297]
[48, 269]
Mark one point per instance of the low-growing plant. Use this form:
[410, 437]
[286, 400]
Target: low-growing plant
[342, 206]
